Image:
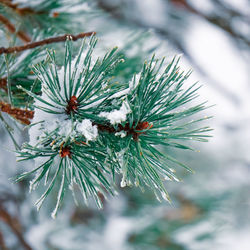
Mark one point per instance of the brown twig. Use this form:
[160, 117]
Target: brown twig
[134, 130]
[11, 28]
[21, 11]
[2, 242]
[15, 226]
[3, 84]
[44, 42]
[21, 115]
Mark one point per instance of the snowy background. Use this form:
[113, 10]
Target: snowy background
[210, 209]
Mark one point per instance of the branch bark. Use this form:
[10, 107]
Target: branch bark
[44, 42]
[3, 84]
[21, 115]
[21, 11]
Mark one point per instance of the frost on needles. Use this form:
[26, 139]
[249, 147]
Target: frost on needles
[88, 128]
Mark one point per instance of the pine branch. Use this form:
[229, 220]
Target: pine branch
[11, 28]
[44, 42]
[134, 131]
[89, 128]
[23, 116]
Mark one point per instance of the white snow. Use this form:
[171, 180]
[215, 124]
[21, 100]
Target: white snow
[64, 127]
[117, 116]
[120, 93]
[89, 131]
[121, 133]
[123, 183]
[76, 68]
[48, 122]
[135, 81]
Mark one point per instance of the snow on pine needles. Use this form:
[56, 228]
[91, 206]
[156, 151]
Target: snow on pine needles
[87, 127]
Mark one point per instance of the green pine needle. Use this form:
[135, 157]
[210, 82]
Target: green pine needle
[87, 127]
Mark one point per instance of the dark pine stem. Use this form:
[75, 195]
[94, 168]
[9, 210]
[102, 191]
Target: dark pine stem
[44, 42]
[24, 116]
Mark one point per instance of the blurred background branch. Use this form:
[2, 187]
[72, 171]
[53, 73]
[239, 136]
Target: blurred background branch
[177, 14]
